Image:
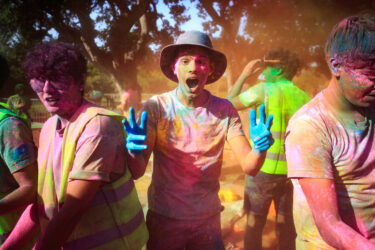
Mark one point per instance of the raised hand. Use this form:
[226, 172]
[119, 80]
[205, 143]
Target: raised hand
[260, 133]
[253, 67]
[136, 135]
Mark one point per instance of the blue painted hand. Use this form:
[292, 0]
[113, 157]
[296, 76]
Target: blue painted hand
[260, 133]
[136, 135]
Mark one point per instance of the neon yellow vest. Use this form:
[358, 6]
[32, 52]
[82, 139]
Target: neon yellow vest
[8, 221]
[282, 100]
[114, 219]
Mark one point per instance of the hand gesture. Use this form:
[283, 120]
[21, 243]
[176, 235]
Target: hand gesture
[253, 67]
[136, 135]
[260, 133]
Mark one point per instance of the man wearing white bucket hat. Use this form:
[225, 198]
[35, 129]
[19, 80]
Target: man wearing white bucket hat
[186, 130]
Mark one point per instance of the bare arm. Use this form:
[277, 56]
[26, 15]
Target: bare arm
[251, 71]
[19, 154]
[250, 160]
[26, 228]
[78, 198]
[321, 197]
[25, 193]
[137, 164]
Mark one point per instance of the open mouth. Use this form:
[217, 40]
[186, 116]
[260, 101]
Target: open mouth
[192, 83]
[51, 100]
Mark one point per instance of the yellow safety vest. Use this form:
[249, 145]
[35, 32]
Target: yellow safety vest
[282, 100]
[114, 219]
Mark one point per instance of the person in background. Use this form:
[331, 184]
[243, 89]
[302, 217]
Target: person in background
[330, 146]
[130, 98]
[186, 131]
[19, 103]
[86, 194]
[18, 169]
[281, 99]
[95, 96]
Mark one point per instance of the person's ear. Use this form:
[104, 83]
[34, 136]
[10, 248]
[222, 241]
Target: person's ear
[212, 69]
[335, 67]
[173, 67]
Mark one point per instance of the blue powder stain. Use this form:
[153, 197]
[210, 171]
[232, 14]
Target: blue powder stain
[204, 168]
[19, 152]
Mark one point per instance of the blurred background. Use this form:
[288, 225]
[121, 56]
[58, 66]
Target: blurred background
[122, 41]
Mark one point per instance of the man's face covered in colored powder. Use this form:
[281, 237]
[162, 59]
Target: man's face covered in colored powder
[357, 82]
[61, 96]
[192, 69]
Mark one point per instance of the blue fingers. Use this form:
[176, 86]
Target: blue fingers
[144, 120]
[132, 120]
[134, 148]
[126, 125]
[136, 135]
[262, 114]
[133, 137]
[260, 133]
[253, 118]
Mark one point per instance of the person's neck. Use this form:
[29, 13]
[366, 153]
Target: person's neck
[338, 101]
[65, 118]
[192, 102]
[279, 78]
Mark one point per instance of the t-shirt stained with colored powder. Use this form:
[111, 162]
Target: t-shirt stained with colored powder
[324, 144]
[17, 151]
[188, 154]
[100, 152]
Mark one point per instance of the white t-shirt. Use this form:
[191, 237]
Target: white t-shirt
[324, 144]
[188, 154]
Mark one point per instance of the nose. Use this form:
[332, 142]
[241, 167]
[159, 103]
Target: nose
[47, 87]
[192, 66]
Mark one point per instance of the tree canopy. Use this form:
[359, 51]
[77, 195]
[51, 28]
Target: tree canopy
[113, 35]
[250, 28]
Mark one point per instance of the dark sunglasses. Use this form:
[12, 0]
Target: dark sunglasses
[38, 84]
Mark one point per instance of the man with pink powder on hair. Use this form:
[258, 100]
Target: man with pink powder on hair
[330, 146]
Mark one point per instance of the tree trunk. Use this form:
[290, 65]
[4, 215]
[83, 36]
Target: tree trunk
[229, 75]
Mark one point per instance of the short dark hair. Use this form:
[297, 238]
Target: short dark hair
[353, 40]
[55, 59]
[289, 61]
[4, 70]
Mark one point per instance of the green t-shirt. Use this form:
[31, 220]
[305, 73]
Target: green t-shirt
[17, 151]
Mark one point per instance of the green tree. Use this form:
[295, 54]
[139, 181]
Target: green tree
[17, 35]
[248, 28]
[114, 35]
[302, 26]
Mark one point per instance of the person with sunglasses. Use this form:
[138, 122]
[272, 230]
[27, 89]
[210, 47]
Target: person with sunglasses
[86, 194]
